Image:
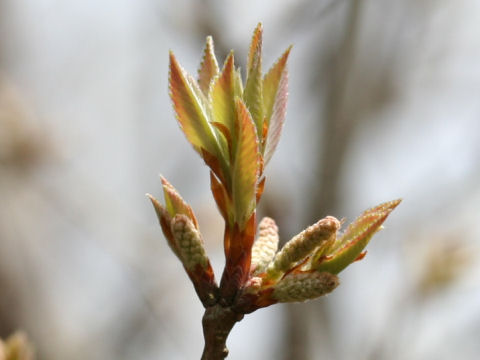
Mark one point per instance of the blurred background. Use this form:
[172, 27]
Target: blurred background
[384, 103]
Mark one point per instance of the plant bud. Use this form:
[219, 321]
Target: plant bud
[304, 286]
[266, 245]
[302, 245]
[189, 242]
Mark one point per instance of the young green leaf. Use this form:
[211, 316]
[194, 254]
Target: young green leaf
[222, 97]
[191, 115]
[208, 67]
[253, 93]
[275, 94]
[271, 83]
[174, 202]
[238, 83]
[246, 163]
[350, 245]
[255, 52]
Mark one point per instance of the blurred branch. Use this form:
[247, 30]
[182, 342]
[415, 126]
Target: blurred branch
[336, 130]
[208, 22]
[305, 13]
[337, 126]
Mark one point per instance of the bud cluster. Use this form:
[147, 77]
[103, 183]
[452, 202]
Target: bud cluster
[234, 124]
[307, 266]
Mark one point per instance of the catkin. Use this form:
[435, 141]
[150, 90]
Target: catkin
[304, 286]
[189, 242]
[302, 245]
[266, 245]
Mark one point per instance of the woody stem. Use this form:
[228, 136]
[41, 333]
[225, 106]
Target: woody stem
[217, 323]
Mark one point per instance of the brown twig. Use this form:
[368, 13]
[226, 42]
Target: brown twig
[217, 323]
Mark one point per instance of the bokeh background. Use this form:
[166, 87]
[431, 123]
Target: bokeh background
[384, 103]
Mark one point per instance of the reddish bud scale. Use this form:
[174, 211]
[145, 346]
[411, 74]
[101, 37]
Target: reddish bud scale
[238, 247]
[249, 302]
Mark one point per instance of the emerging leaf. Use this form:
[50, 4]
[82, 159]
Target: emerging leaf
[223, 100]
[255, 52]
[253, 93]
[174, 202]
[245, 168]
[271, 83]
[191, 114]
[238, 84]
[208, 67]
[350, 245]
[275, 93]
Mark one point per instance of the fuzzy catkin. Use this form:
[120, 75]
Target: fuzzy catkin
[304, 286]
[189, 242]
[266, 245]
[303, 244]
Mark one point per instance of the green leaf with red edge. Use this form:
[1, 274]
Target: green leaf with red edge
[255, 51]
[222, 99]
[359, 224]
[208, 67]
[245, 167]
[175, 204]
[350, 245]
[271, 82]
[386, 206]
[253, 93]
[218, 163]
[190, 111]
[275, 94]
